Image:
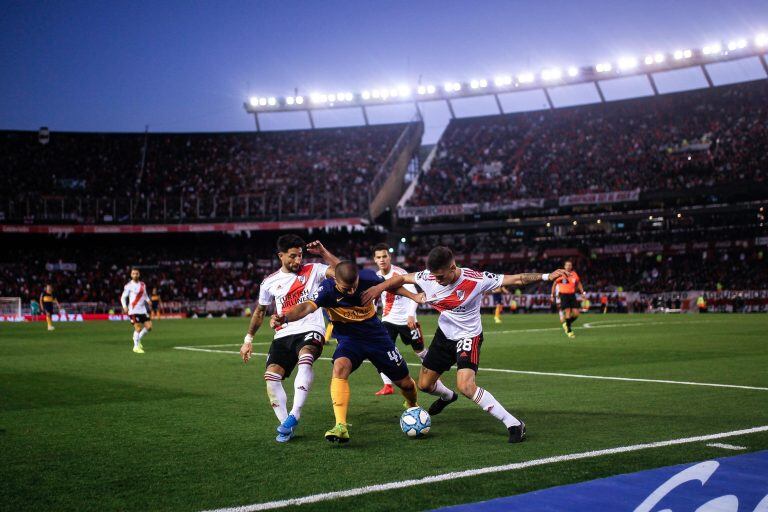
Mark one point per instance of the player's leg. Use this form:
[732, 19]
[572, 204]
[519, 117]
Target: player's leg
[499, 309]
[387, 388]
[415, 339]
[388, 360]
[571, 314]
[467, 360]
[340, 394]
[281, 361]
[439, 359]
[309, 347]
[146, 327]
[136, 324]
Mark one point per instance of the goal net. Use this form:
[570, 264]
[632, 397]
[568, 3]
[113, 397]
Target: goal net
[10, 306]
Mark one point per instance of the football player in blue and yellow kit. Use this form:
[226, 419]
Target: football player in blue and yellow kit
[360, 336]
[47, 301]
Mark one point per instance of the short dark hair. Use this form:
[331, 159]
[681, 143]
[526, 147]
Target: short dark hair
[346, 271]
[286, 242]
[439, 258]
[380, 247]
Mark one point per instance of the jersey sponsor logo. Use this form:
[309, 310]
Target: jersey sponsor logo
[455, 301]
[298, 292]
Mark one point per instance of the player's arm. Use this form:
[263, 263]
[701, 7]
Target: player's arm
[393, 284]
[526, 279]
[124, 300]
[554, 287]
[417, 298]
[411, 308]
[581, 288]
[256, 320]
[318, 249]
[295, 313]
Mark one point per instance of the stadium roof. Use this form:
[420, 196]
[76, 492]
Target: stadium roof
[628, 66]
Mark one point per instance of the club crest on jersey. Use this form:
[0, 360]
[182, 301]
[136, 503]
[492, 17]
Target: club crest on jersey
[460, 294]
[302, 279]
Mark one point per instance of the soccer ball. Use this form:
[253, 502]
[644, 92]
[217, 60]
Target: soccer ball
[415, 422]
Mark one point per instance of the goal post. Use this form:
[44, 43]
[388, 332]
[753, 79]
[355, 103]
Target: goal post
[10, 306]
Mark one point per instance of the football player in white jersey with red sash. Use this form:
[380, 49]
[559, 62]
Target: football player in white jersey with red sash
[295, 343]
[138, 306]
[398, 313]
[457, 294]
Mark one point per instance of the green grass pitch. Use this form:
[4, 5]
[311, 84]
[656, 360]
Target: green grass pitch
[85, 424]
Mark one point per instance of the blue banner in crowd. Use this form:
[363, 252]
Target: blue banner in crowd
[732, 484]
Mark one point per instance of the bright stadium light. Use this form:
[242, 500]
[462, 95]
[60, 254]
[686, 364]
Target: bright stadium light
[525, 78]
[761, 40]
[394, 93]
[289, 100]
[349, 96]
[738, 44]
[483, 83]
[573, 71]
[626, 63]
[366, 95]
[501, 81]
[456, 86]
[404, 90]
[474, 84]
[603, 67]
[331, 98]
[431, 89]
[299, 100]
[272, 101]
[384, 94]
[262, 102]
[551, 74]
[658, 58]
[712, 49]
[254, 101]
[375, 94]
[682, 54]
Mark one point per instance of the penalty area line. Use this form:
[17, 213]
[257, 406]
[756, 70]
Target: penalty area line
[455, 475]
[541, 374]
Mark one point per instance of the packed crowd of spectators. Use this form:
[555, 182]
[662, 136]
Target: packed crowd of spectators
[222, 267]
[303, 173]
[677, 141]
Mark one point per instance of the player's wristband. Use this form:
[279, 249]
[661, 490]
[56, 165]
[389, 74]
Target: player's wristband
[248, 338]
[545, 277]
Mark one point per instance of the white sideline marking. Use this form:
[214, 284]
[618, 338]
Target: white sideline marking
[725, 446]
[357, 491]
[527, 372]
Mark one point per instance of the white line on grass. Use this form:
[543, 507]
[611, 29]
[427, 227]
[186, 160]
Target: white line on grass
[725, 446]
[327, 496]
[542, 374]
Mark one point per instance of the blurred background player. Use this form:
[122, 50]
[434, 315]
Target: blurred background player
[47, 301]
[360, 336]
[295, 343]
[603, 303]
[556, 302]
[498, 302]
[34, 309]
[457, 294]
[138, 306]
[567, 286]
[398, 312]
[157, 304]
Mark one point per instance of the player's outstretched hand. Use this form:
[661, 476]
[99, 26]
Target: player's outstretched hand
[245, 351]
[275, 321]
[316, 247]
[412, 324]
[557, 274]
[370, 295]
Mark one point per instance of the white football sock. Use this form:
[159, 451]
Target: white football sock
[492, 406]
[276, 393]
[385, 379]
[421, 355]
[302, 383]
[143, 333]
[135, 339]
[442, 391]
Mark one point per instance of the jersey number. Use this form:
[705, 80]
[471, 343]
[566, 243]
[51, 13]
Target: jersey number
[395, 356]
[465, 345]
[415, 335]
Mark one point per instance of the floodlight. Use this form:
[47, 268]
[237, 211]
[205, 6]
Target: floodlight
[761, 40]
[603, 67]
[431, 89]
[474, 84]
[483, 83]
[626, 63]
[658, 58]
[525, 78]
[366, 95]
[376, 94]
[289, 100]
[331, 98]
[262, 102]
[299, 100]
[272, 101]
[573, 71]
[254, 101]
[421, 90]
[552, 74]
[712, 49]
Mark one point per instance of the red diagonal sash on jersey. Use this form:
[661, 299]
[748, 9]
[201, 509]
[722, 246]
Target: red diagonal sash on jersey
[297, 288]
[389, 301]
[457, 297]
[138, 296]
